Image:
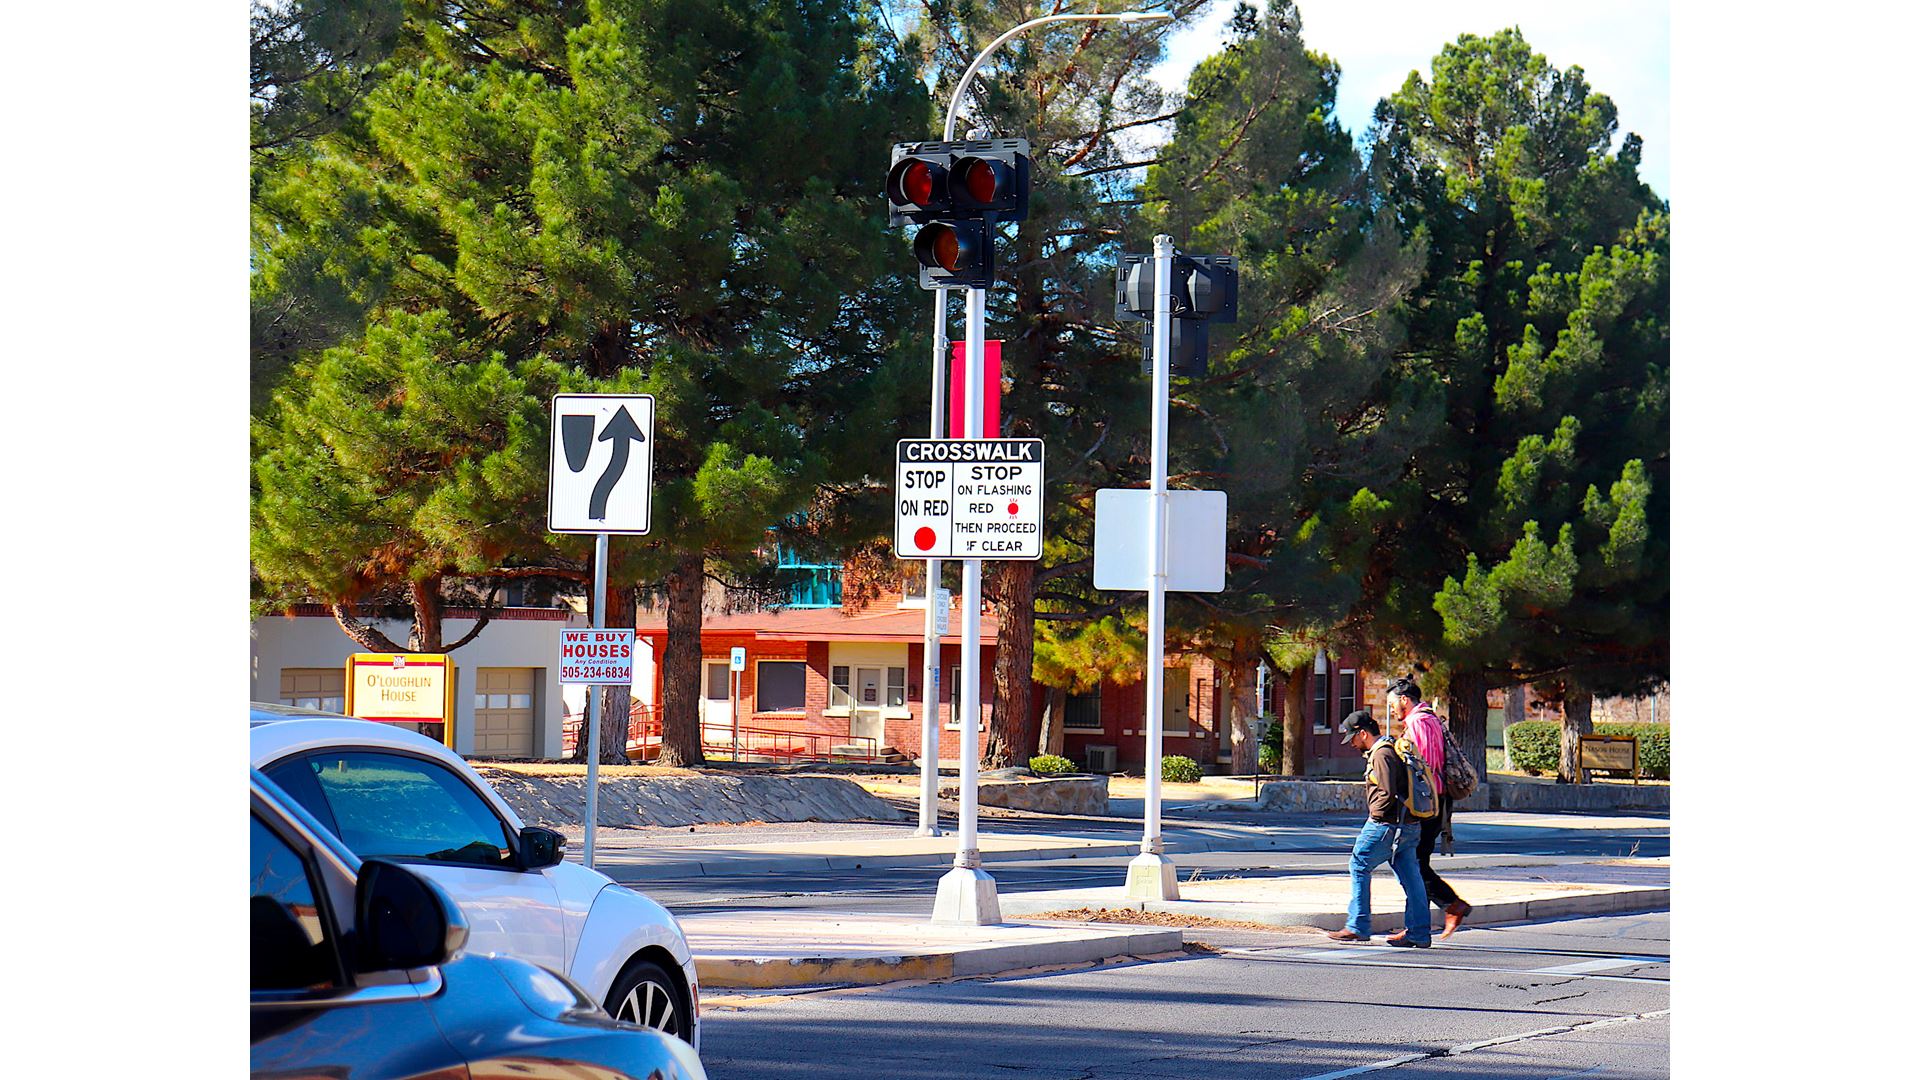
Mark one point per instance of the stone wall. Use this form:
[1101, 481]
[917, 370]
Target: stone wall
[1060, 795]
[688, 800]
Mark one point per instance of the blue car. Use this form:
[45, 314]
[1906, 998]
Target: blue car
[357, 972]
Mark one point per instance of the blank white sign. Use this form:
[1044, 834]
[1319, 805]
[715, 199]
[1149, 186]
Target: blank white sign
[1196, 540]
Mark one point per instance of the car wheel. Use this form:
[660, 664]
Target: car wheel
[644, 994]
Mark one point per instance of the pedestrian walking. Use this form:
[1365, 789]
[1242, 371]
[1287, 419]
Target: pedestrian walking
[1389, 835]
[1422, 725]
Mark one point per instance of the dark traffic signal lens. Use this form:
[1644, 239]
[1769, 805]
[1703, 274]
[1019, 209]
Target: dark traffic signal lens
[917, 182]
[985, 182]
[946, 247]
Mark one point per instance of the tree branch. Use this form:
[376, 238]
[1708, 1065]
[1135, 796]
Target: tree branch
[367, 635]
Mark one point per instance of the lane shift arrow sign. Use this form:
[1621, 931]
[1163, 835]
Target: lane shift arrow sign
[623, 432]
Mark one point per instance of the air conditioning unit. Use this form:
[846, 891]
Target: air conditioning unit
[1103, 759]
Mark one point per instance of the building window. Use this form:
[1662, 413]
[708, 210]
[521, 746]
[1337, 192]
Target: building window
[953, 705]
[1349, 691]
[1083, 712]
[896, 687]
[841, 696]
[780, 686]
[1321, 704]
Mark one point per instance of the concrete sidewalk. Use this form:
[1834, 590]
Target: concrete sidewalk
[1500, 890]
[768, 949]
[636, 856]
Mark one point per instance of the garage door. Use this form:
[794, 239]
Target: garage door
[314, 688]
[503, 712]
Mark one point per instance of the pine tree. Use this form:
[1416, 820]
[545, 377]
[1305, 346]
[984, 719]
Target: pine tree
[1286, 421]
[623, 197]
[1527, 538]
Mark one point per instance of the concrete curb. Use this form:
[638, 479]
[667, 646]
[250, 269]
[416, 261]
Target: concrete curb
[761, 973]
[1610, 902]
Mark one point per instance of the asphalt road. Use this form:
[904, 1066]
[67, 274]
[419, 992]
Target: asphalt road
[1310, 845]
[1544, 1001]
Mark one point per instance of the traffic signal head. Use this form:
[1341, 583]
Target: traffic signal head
[954, 254]
[957, 192]
[1206, 289]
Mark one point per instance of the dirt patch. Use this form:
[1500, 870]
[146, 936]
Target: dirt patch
[1162, 918]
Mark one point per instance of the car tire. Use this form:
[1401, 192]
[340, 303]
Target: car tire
[646, 995]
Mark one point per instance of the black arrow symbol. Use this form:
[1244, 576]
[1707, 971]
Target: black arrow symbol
[623, 431]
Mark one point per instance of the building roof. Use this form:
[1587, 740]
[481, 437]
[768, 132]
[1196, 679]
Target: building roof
[878, 622]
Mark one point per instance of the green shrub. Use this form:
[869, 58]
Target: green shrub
[1534, 746]
[1655, 747]
[1050, 765]
[1178, 769]
[1269, 758]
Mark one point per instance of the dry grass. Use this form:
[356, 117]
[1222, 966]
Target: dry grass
[557, 768]
[1161, 918]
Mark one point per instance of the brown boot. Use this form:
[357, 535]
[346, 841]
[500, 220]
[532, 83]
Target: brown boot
[1343, 934]
[1457, 913]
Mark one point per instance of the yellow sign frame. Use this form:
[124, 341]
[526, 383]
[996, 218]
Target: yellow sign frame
[387, 661]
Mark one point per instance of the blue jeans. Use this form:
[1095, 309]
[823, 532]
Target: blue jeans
[1373, 847]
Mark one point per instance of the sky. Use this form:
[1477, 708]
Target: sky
[1620, 44]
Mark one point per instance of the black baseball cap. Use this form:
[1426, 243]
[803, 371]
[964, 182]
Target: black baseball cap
[1357, 721]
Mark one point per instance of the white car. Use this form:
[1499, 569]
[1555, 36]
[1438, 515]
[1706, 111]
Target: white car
[394, 794]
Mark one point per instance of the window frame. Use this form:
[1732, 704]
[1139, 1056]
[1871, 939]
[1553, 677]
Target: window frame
[1066, 715]
[952, 721]
[759, 683]
[323, 909]
[324, 810]
[888, 686]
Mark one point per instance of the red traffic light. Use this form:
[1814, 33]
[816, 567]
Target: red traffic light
[946, 247]
[984, 183]
[918, 182]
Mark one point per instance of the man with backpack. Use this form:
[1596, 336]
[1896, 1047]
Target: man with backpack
[1394, 790]
[1419, 723]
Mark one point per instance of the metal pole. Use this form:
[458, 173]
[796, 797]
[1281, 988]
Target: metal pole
[596, 697]
[969, 847]
[733, 707]
[967, 893]
[930, 673]
[1151, 874]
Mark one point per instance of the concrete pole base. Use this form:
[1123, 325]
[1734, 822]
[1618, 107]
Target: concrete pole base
[925, 830]
[1152, 877]
[967, 897]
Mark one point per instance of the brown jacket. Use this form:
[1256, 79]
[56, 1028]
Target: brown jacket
[1386, 783]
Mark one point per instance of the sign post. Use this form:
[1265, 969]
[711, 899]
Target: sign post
[970, 498]
[595, 485]
[736, 663]
[1151, 874]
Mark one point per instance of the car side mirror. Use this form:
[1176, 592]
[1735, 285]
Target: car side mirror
[402, 920]
[541, 847]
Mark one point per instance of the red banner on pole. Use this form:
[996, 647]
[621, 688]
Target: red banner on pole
[957, 392]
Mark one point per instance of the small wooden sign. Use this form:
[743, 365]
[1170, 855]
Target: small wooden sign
[1614, 753]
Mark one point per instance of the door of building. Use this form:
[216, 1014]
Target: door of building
[869, 697]
[1175, 698]
[716, 704]
[503, 712]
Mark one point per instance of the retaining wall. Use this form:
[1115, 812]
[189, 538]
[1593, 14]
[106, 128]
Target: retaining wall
[689, 800]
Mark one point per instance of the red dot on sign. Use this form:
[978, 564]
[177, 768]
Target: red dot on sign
[1013, 508]
[923, 537]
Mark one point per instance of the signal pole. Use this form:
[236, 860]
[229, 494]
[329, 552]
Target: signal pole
[930, 678]
[1151, 875]
[967, 893]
